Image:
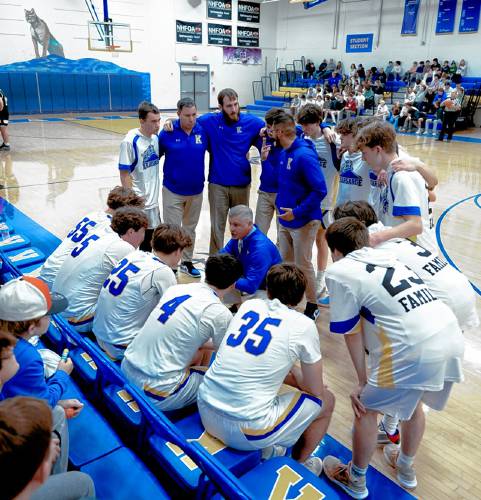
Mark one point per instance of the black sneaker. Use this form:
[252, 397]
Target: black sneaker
[188, 268]
[5, 147]
[312, 311]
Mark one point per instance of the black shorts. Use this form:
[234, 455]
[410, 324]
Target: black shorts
[4, 116]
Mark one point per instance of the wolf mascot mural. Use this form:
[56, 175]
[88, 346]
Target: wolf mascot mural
[41, 36]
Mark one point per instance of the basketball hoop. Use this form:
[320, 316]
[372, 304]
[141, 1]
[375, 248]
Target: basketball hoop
[107, 36]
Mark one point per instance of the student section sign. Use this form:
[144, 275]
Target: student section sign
[219, 9]
[359, 42]
[188, 32]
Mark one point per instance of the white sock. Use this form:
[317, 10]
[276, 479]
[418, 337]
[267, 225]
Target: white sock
[405, 460]
[389, 423]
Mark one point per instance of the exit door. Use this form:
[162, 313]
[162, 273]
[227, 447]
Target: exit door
[194, 83]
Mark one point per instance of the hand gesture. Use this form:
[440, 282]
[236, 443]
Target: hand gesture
[265, 149]
[356, 404]
[288, 215]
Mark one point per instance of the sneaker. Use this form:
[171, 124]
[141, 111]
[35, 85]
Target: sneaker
[384, 437]
[419, 131]
[340, 474]
[188, 268]
[427, 133]
[405, 475]
[273, 451]
[323, 301]
[5, 147]
[314, 464]
[311, 311]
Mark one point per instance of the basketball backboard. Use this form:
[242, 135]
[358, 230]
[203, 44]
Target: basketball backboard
[109, 36]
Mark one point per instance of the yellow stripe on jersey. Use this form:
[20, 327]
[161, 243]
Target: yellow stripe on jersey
[258, 432]
[385, 376]
[83, 319]
[164, 394]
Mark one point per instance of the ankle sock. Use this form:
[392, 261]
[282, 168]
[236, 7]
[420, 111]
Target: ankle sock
[390, 424]
[358, 471]
[405, 460]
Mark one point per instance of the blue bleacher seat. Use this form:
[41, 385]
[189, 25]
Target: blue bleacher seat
[14, 242]
[121, 475]
[185, 470]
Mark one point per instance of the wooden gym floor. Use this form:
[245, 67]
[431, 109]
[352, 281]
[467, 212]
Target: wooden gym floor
[59, 171]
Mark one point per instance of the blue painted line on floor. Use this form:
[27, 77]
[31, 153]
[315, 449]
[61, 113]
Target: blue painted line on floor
[456, 138]
[475, 198]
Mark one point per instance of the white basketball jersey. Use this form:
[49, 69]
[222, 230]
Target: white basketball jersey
[263, 341]
[447, 283]
[414, 340]
[132, 289]
[91, 222]
[406, 194]
[326, 155]
[85, 269]
[186, 317]
[140, 156]
[354, 181]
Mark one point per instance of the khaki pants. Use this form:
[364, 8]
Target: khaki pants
[295, 246]
[265, 210]
[183, 211]
[221, 198]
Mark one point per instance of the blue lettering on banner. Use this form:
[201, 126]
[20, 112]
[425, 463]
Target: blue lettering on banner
[469, 21]
[446, 16]
[359, 42]
[410, 19]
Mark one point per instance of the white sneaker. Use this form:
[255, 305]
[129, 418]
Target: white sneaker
[314, 464]
[419, 131]
[273, 451]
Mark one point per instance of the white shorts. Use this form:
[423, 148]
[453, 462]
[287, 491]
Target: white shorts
[401, 403]
[153, 214]
[286, 421]
[183, 395]
[327, 218]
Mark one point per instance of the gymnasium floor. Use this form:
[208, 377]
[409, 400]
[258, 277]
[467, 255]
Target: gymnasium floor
[58, 171]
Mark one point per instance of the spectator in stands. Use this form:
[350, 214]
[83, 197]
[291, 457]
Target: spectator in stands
[303, 101]
[360, 99]
[368, 96]
[428, 100]
[438, 117]
[343, 82]
[27, 452]
[334, 79]
[446, 67]
[420, 96]
[310, 69]
[330, 67]
[410, 75]
[453, 68]
[435, 83]
[326, 109]
[295, 104]
[404, 116]
[451, 106]
[435, 65]
[420, 70]
[378, 91]
[381, 76]
[394, 115]
[311, 93]
[361, 73]
[409, 95]
[389, 70]
[460, 71]
[352, 71]
[319, 101]
[382, 111]
[418, 119]
[337, 107]
[460, 92]
[397, 70]
[322, 68]
[351, 106]
[428, 77]
[339, 68]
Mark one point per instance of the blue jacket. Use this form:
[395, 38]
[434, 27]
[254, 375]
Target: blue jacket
[30, 378]
[257, 256]
[301, 184]
[229, 144]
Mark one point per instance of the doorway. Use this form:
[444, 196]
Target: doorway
[194, 83]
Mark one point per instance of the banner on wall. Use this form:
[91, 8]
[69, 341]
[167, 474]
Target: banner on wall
[240, 55]
[219, 34]
[359, 42]
[469, 21]
[218, 9]
[410, 19]
[248, 12]
[187, 32]
[247, 36]
[446, 16]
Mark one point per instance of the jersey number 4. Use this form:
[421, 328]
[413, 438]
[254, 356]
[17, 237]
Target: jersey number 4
[170, 306]
[256, 342]
[119, 278]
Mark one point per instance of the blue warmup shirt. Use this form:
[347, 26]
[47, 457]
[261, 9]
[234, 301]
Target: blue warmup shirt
[257, 256]
[229, 145]
[184, 159]
[301, 184]
[30, 378]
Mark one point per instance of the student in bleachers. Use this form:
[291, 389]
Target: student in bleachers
[117, 198]
[135, 286]
[389, 71]
[88, 265]
[382, 110]
[164, 358]
[397, 70]
[239, 400]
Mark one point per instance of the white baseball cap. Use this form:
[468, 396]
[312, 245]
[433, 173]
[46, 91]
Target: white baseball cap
[29, 298]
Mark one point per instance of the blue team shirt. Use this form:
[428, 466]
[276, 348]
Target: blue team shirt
[229, 145]
[184, 159]
[301, 184]
[257, 256]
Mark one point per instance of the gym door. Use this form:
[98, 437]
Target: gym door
[194, 83]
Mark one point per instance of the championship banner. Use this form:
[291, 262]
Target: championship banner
[219, 34]
[237, 55]
[187, 32]
[247, 36]
[469, 22]
[248, 12]
[359, 42]
[219, 9]
[446, 16]
[410, 19]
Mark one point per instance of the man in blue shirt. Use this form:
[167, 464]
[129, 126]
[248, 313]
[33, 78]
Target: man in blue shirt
[301, 190]
[231, 134]
[253, 248]
[183, 185]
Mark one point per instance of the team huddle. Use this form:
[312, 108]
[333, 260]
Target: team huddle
[352, 192]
